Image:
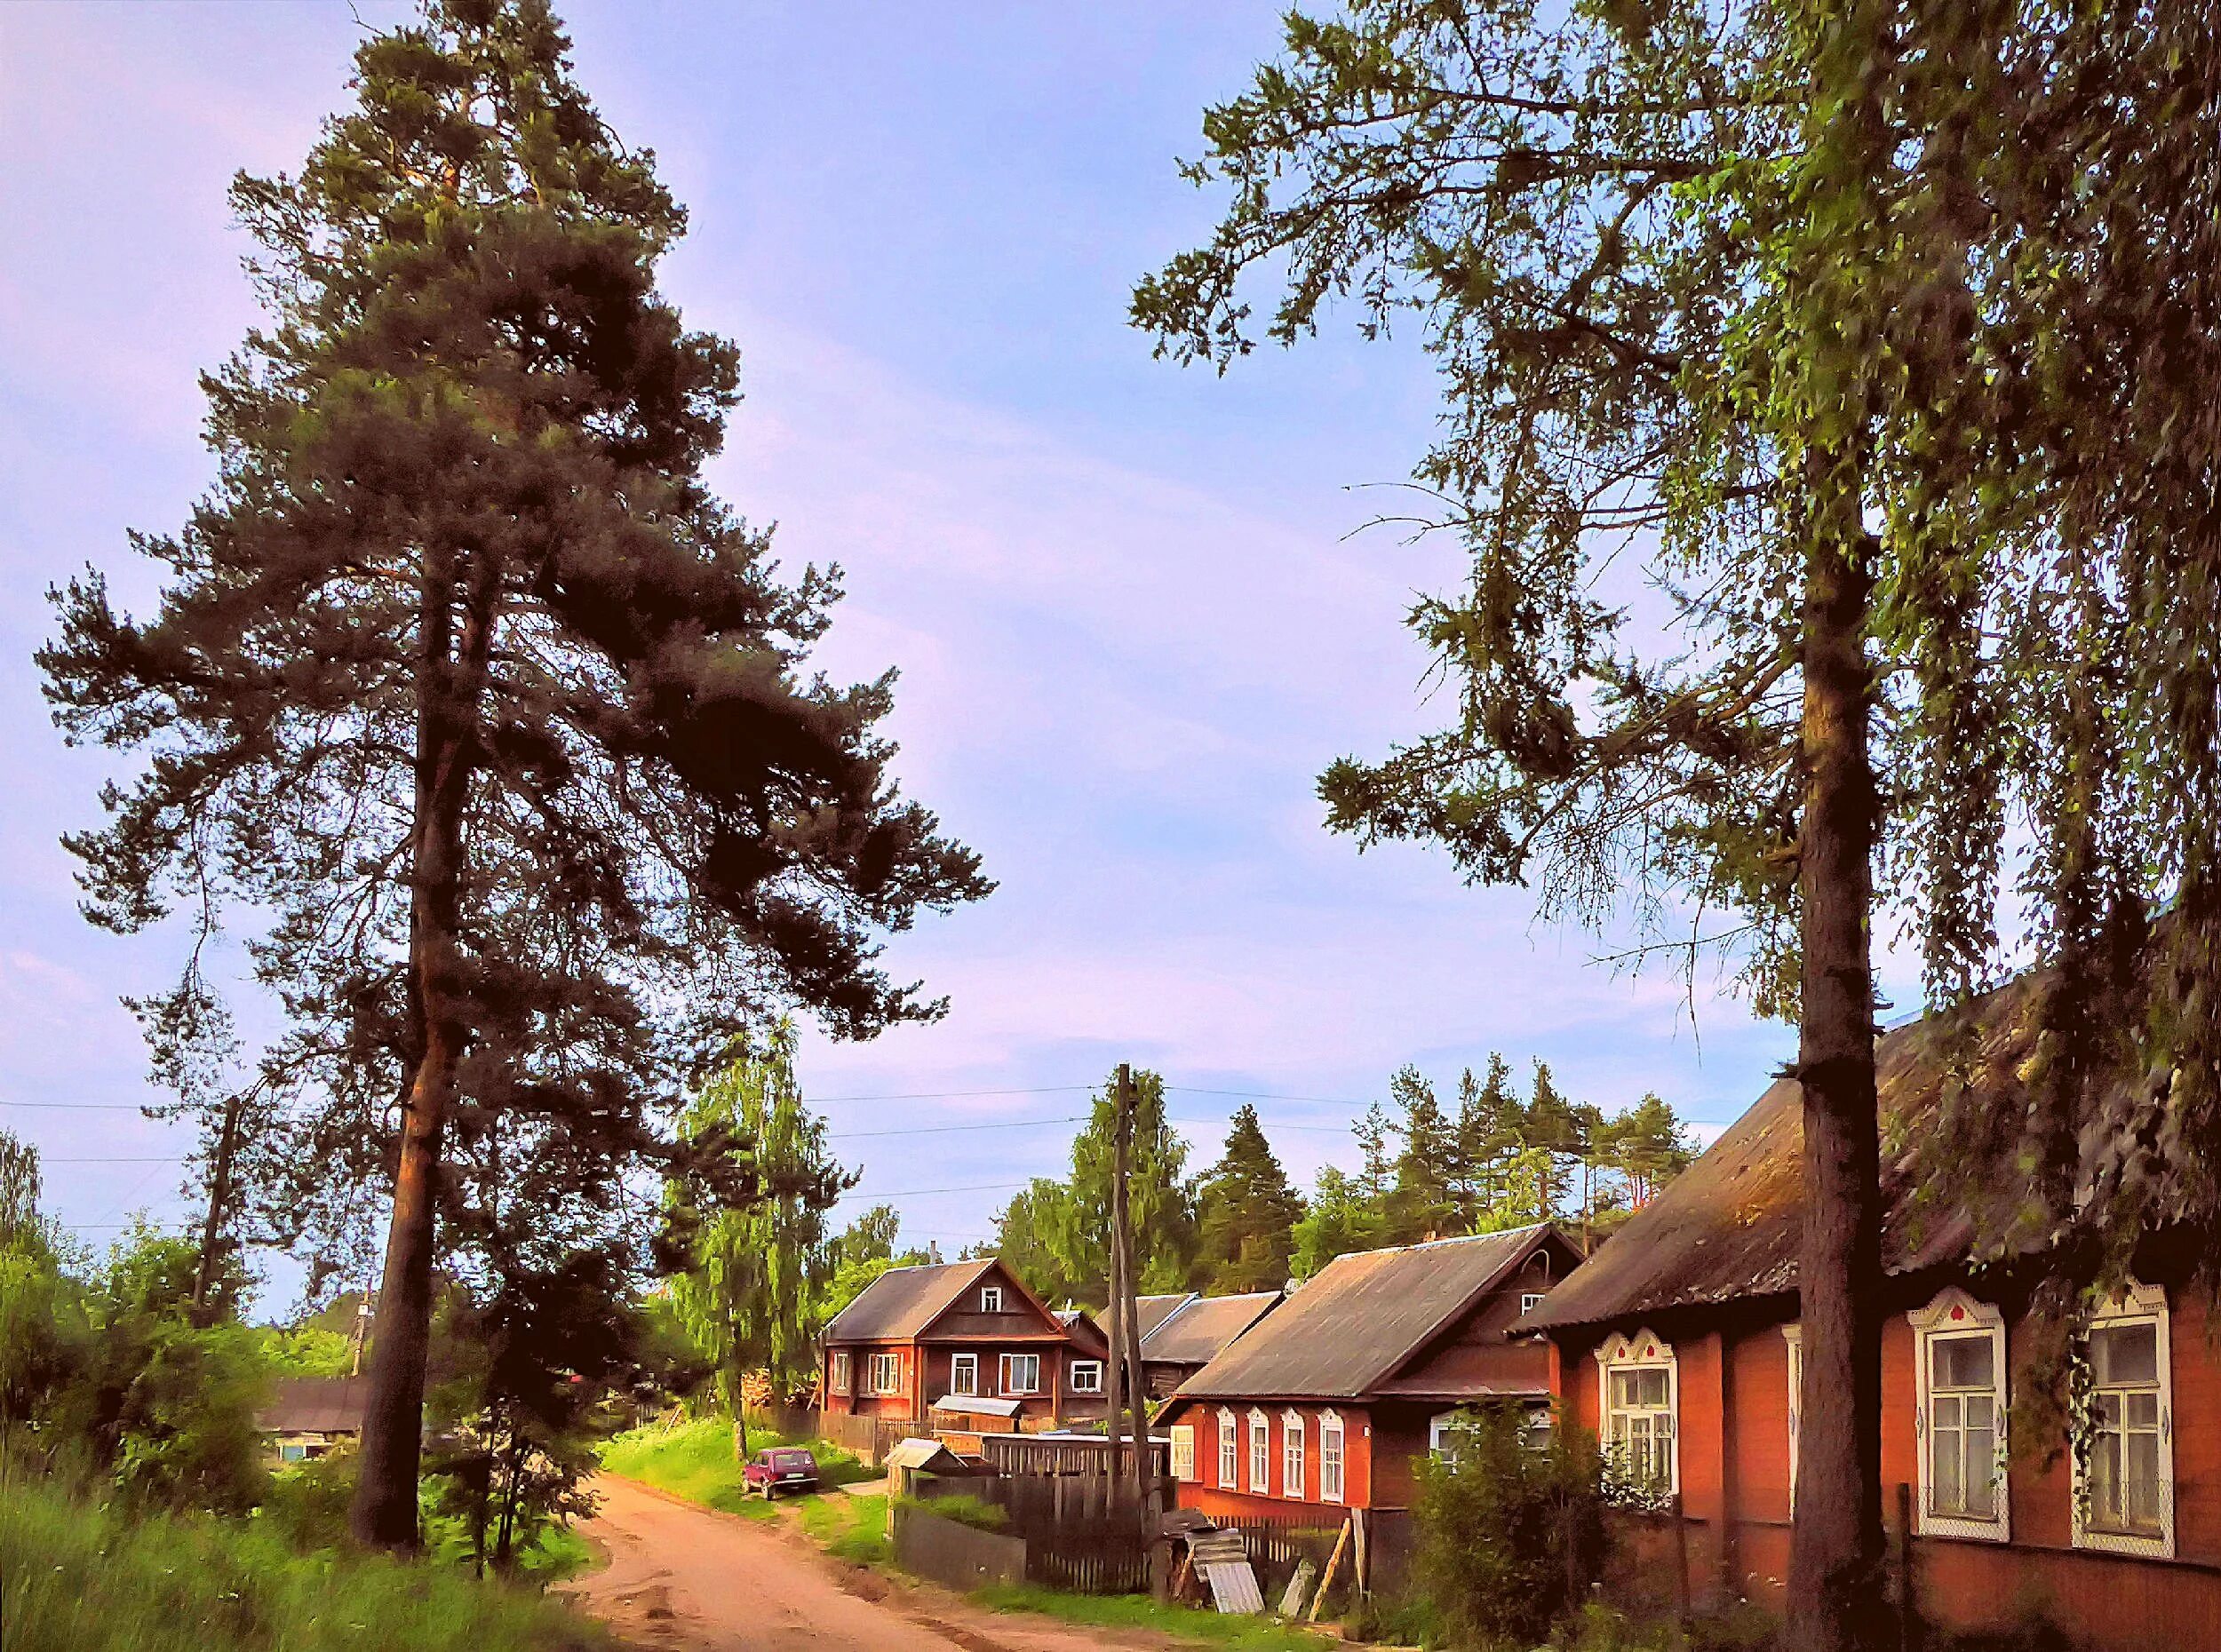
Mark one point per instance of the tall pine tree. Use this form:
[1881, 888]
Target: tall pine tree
[1246, 1213]
[466, 680]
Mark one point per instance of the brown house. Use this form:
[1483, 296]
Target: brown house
[1679, 1345]
[1190, 1332]
[1330, 1398]
[964, 1343]
[308, 1416]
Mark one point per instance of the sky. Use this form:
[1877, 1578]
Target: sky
[1134, 607]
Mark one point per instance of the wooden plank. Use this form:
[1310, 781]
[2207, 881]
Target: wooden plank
[1334, 1564]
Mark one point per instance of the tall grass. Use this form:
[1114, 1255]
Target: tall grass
[82, 1579]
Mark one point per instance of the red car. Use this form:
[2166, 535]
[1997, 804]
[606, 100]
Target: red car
[781, 1468]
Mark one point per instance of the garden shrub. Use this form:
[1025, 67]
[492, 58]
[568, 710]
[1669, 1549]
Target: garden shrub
[1510, 1528]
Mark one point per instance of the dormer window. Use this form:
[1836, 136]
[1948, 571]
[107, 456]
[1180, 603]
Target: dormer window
[990, 1299]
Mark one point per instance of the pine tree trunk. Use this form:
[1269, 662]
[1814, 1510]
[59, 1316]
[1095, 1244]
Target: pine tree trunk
[1836, 1551]
[383, 1514]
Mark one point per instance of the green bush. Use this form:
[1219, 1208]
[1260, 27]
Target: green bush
[81, 1578]
[1510, 1530]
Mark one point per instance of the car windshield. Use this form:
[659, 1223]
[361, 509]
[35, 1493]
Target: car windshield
[794, 1459]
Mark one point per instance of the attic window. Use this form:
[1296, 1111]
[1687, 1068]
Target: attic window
[1530, 1300]
[990, 1299]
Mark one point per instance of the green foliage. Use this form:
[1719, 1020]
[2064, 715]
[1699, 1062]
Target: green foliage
[1510, 1533]
[305, 1350]
[1342, 1218]
[86, 1579]
[1188, 1624]
[694, 1460]
[964, 1508]
[751, 1291]
[1054, 1236]
[851, 1529]
[1245, 1211]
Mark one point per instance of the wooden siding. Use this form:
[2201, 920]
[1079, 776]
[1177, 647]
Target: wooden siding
[1734, 1442]
[1206, 1493]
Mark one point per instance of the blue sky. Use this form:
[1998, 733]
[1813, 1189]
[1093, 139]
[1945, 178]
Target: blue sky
[1130, 618]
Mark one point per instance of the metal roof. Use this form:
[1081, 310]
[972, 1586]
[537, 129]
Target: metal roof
[1201, 1330]
[1346, 1331]
[1728, 1226]
[1150, 1312]
[902, 1301]
[313, 1405]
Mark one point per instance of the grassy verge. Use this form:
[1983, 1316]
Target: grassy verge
[1136, 1611]
[854, 1529]
[83, 1579]
[694, 1460]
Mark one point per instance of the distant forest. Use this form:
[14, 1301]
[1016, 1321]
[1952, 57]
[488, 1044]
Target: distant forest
[1495, 1157]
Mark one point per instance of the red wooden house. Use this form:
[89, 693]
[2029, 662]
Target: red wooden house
[964, 1342]
[1679, 1344]
[1330, 1398]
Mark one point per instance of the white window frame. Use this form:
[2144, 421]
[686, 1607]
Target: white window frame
[1956, 1313]
[1644, 1350]
[1334, 1461]
[1229, 1452]
[990, 1299]
[891, 1363]
[836, 1368]
[2136, 1304]
[1793, 1334]
[1260, 1453]
[964, 1374]
[1184, 1469]
[1008, 1374]
[1530, 1300]
[1292, 1455]
[1094, 1382]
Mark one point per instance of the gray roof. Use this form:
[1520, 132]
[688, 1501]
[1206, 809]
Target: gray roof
[313, 1405]
[902, 1301]
[1728, 1226]
[1201, 1330]
[1347, 1331]
[1150, 1312]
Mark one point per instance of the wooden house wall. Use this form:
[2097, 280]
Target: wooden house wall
[1205, 1494]
[1734, 1429]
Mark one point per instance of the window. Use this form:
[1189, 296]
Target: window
[1229, 1451]
[1086, 1376]
[1794, 1335]
[1639, 1407]
[293, 1454]
[1330, 1457]
[1021, 1373]
[1260, 1452]
[2125, 1474]
[990, 1299]
[1530, 1300]
[1959, 1349]
[1183, 1453]
[887, 1373]
[837, 1372]
[964, 1373]
[1292, 1454]
[1442, 1431]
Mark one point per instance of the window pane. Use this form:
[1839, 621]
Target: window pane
[2125, 1353]
[2143, 1411]
[1943, 1469]
[1961, 1362]
[1652, 1387]
[1981, 1471]
[1622, 1388]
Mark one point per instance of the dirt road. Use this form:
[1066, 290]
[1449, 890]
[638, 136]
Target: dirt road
[687, 1579]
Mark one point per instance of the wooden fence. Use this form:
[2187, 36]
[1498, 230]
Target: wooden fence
[1032, 1456]
[1079, 1536]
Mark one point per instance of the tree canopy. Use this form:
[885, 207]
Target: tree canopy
[465, 684]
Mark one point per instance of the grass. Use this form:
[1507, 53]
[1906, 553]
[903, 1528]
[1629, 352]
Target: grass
[964, 1509]
[1138, 1611]
[694, 1461]
[853, 1528]
[81, 1578]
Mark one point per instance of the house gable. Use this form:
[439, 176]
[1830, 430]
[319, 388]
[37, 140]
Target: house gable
[1018, 1315]
[1474, 1353]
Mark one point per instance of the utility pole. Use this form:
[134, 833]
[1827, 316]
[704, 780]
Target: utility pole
[1148, 1488]
[218, 1197]
[1113, 1313]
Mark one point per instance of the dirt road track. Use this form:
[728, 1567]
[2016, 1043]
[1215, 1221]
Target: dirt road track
[688, 1579]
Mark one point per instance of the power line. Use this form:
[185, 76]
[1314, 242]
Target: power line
[80, 1107]
[943, 1129]
[919, 1193]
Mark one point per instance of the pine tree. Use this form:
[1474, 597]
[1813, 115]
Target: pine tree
[464, 678]
[1246, 1213]
[1649, 1149]
[1374, 1135]
[1489, 1131]
[1419, 1204]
